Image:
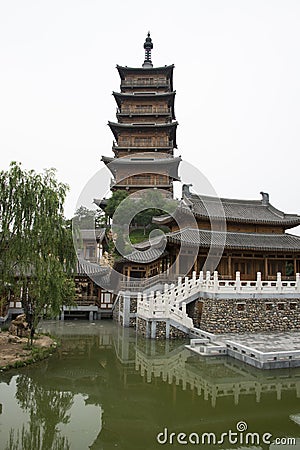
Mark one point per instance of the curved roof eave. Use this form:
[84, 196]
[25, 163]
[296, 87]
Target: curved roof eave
[125, 69]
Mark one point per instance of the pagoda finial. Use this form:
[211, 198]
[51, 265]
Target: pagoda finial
[148, 46]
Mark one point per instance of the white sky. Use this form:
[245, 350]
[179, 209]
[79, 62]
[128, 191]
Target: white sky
[237, 77]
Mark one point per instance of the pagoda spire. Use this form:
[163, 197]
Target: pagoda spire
[148, 46]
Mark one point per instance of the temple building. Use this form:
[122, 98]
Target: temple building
[205, 233]
[254, 238]
[145, 133]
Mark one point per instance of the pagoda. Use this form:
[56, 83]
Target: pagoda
[145, 131]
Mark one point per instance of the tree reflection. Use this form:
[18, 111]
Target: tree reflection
[47, 409]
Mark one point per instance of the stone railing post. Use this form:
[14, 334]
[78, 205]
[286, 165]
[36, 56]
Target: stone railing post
[238, 281]
[298, 282]
[207, 279]
[216, 281]
[166, 287]
[194, 275]
[201, 276]
[278, 282]
[258, 281]
[184, 307]
[179, 281]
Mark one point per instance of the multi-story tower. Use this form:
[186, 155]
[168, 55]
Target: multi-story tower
[145, 134]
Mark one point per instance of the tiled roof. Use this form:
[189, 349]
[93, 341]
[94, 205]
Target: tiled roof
[238, 241]
[254, 211]
[123, 70]
[92, 234]
[146, 256]
[85, 267]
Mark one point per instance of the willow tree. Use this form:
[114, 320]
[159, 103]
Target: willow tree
[36, 251]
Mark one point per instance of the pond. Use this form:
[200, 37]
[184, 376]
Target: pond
[105, 388]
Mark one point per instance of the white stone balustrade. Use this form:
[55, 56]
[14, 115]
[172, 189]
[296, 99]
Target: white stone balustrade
[171, 303]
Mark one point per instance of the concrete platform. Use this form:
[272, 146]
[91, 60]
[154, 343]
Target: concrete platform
[261, 350]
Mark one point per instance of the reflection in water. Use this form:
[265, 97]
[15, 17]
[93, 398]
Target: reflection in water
[107, 388]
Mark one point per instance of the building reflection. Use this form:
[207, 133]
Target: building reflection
[118, 373]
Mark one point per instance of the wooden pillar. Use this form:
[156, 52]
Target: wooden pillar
[229, 266]
[196, 265]
[266, 268]
[177, 264]
[295, 266]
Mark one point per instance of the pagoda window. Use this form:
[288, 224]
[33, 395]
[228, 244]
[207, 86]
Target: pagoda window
[145, 80]
[143, 108]
[140, 142]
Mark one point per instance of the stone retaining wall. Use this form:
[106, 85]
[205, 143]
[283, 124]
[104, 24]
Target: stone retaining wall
[246, 315]
[144, 328]
[141, 327]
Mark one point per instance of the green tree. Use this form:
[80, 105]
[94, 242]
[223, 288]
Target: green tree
[87, 219]
[151, 204]
[138, 209]
[37, 257]
[114, 201]
[47, 408]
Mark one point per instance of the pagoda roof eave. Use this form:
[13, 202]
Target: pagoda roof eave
[115, 127]
[163, 69]
[125, 95]
[150, 165]
[137, 161]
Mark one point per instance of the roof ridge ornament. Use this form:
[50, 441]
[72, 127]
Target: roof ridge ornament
[265, 198]
[148, 46]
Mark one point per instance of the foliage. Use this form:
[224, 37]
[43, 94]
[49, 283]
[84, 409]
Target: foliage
[114, 201]
[139, 210]
[46, 410]
[158, 205]
[138, 235]
[88, 219]
[37, 255]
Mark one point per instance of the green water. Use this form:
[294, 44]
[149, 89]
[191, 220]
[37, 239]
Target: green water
[107, 389]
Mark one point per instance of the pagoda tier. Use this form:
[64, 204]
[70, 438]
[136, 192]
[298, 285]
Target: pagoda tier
[144, 134]
[132, 78]
[158, 104]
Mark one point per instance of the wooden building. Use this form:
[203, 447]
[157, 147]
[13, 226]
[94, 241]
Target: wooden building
[227, 235]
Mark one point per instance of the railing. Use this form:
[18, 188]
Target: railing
[146, 82]
[173, 299]
[201, 285]
[139, 181]
[127, 143]
[144, 110]
[86, 300]
[158, 308]
[144, 283]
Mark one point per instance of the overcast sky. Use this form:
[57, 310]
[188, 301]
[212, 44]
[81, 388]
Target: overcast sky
[237, 77]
